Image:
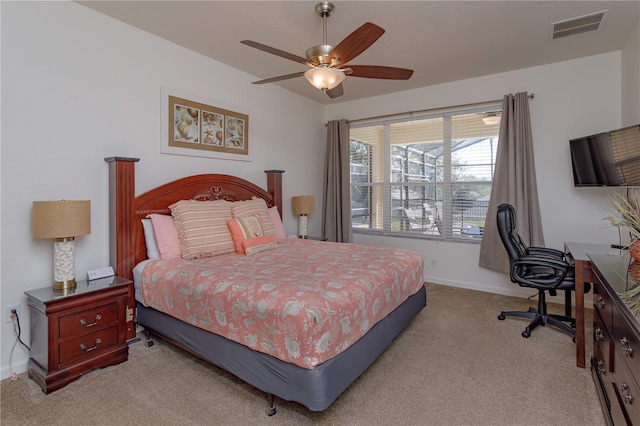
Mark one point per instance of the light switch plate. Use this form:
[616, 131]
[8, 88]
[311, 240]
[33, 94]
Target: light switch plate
[95, 274]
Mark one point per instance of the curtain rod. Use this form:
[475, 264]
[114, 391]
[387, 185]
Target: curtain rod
[411, 113]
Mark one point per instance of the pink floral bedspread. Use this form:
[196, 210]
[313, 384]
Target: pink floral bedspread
[303, 302]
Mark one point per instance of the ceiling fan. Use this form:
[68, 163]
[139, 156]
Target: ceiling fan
[328, 63]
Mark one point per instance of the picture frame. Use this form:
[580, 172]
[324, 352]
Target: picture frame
[194, 126]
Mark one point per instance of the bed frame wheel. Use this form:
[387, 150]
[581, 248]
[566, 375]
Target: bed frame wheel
[149, 341]
[501, 317]
[272, 406]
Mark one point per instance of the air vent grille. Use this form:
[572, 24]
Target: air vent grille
[579, 25]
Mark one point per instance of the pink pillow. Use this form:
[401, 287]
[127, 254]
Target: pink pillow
[277, 223]
[243, 228]
[166, 236]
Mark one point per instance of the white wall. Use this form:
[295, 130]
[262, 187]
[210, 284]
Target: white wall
[572, 99]
[630, 79]
[77, 87]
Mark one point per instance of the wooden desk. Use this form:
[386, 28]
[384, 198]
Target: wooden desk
[578, 252]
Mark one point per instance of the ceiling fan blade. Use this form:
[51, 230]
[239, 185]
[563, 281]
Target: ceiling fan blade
[357, 42]
[374, 71]
[279, 78]
[336, 91]
[275, 51]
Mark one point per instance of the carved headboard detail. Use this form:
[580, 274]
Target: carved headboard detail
[215, 193]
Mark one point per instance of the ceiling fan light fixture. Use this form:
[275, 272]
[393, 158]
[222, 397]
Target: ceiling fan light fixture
[491, 118]
[324, 78]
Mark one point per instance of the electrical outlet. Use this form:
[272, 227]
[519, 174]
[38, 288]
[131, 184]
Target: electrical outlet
[7, 312]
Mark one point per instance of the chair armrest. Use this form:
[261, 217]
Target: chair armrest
[545, 251]
[540, 271]
[537, 260]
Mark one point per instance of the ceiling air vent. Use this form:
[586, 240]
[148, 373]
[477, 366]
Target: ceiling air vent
[579, 25]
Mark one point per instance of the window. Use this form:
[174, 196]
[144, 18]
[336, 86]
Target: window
[426, 176]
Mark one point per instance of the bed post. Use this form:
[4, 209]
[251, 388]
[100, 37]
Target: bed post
[274, 187]
[121, 237]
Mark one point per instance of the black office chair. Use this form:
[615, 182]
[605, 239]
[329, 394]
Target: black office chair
[542, 268]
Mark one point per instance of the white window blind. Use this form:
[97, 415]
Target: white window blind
[427, 176]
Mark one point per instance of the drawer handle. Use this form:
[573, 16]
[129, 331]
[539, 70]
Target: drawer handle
[597, 334]
[626, 394]
[601, 368]
[626, 347]
[600, 302]
[97, 318]
[95, 345]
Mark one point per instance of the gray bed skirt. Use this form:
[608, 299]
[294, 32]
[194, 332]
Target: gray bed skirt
[316, 389]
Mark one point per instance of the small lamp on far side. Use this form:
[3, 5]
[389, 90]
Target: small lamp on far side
[63, 221]
[303, 205]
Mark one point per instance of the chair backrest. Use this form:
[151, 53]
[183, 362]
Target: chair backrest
[514, 245]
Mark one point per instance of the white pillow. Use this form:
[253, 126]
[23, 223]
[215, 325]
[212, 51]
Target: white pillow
[150, 239]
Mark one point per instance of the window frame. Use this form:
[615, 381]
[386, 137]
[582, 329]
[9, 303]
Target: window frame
[384, 223]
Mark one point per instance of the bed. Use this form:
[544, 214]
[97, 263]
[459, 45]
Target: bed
[314, 381]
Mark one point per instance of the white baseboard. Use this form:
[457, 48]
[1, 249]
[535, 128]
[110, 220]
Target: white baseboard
[514, 291]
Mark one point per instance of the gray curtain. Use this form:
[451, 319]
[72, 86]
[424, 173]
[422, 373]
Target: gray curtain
[514, 182]
[336, 209]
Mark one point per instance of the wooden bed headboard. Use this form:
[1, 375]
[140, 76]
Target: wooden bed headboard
[126, 236]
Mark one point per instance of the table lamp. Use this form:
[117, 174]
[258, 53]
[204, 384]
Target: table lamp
[303, 205]
[63, 221]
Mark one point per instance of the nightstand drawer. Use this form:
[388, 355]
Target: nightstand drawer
[86, 321]
[91, 343]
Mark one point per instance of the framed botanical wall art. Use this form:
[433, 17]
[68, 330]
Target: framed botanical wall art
[194, 126]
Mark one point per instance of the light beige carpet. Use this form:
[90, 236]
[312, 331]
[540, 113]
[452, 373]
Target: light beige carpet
[456, 364]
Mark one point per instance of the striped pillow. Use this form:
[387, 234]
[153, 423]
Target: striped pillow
[255, 206]
[202, 228]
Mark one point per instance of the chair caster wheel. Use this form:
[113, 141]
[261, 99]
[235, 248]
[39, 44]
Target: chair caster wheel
[271, 412]
[574, 339]
[526, 334]
[501, 317]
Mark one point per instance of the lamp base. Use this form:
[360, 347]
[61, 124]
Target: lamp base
[63, 263]
[302, 226]
[64, 285]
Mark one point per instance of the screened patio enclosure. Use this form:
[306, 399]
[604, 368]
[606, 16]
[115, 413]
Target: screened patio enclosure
[428, 177]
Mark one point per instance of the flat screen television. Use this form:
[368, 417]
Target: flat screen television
[607, 159]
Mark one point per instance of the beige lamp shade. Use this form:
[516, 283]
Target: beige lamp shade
[303, 204]
[61, 219]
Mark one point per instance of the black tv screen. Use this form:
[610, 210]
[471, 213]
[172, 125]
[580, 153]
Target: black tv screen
[607, 159]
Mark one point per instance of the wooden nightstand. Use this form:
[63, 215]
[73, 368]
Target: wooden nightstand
[75, 332]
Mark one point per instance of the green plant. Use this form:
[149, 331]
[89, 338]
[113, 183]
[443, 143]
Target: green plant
[625, 214]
